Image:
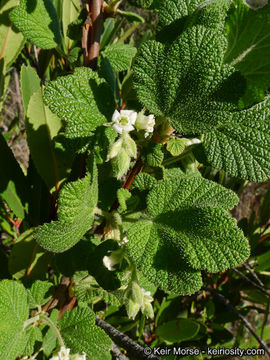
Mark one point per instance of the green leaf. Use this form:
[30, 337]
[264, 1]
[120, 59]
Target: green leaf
[30, 83]
[175, 146]
[38, 21]
[189, 191]
[154, 154]
[120, 56]
[188, 229]
[243, 147]
[158, 261]
[13, 313]
[39, 293]
[77, 201]
[131, 16]
[187, 82]
[70, 12]
[11, 42]
[176, 15]
[83, 100]
[81, 334]
[27, 258]
[41, 127]
[248, 42]
[123, 195]
[179, 330]
[50, 339]
[87, 290]
[144, 181]
[33, 334]
[13, 185]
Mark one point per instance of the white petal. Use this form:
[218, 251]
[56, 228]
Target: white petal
[115, 116]
[118, 128]
[128, 128]
[108, 263]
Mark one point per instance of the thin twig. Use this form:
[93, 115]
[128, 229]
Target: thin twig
[117, 353]
[251, 282]
[248, 268]
[133, 349]
[227, 303]
[92, 32]
[97, 25]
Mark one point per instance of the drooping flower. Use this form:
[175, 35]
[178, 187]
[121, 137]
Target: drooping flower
[124, 120]
[64, 353]
[114, 259]
[145, 123]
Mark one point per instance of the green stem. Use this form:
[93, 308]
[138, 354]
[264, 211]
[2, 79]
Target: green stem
[31, 321]
[129, 32]
[49, 322]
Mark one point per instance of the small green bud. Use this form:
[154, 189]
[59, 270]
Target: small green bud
[115, 149]
[147, 310]
[129, 145]
[121, 163]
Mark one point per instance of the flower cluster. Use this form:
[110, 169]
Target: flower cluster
[63, 354]
[129, 120]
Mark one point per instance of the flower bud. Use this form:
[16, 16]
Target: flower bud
[115, 148]
[129, 145]
[121, 163]
[134, 296]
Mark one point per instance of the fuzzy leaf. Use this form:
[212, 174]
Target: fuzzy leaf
[40, 293]
[33, 334]
[243, 148]
[75, 215]
[123, 195]
[176, 15]
[144, 181]
[81, 334]
[14, 312]
[120, 56]
[175, 146]
[188, 230]
[38, 21]
[83, 100]
[248, 42]
[187, 82]
[158, 261]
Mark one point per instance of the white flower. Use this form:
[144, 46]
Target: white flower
[64, 353]
[194, 141]
[54, 358]
[145, 123]
[114, 259]
[124, 241]
[124, 120]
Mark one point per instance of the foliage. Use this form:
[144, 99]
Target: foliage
[142, 136]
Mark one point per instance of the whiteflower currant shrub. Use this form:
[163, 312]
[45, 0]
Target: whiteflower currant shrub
[114, 197]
